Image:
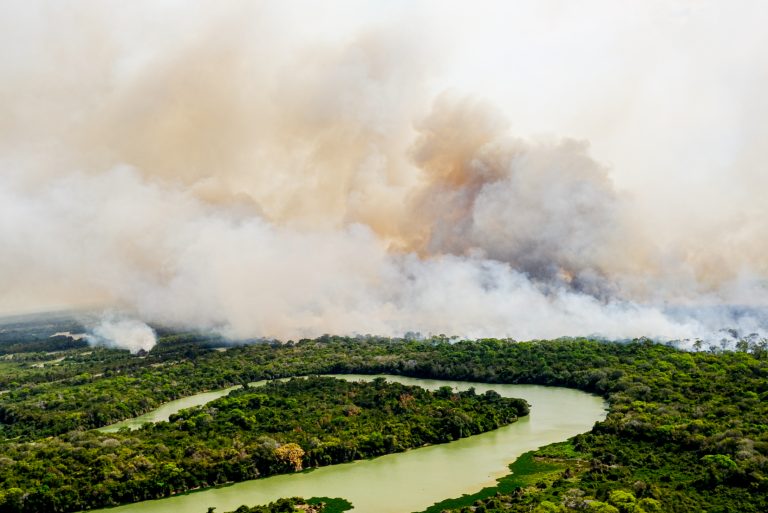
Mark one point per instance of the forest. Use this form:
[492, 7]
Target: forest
[686, 430]
[253, 432]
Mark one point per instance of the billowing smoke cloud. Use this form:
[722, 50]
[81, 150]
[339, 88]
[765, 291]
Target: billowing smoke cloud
[547, 209]
[124, 333]
[220, 175]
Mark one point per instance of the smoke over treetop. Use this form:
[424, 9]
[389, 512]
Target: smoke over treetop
[224, 175]
[124, 333]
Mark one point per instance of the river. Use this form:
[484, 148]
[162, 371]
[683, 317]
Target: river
[165, 411]
[412, 480]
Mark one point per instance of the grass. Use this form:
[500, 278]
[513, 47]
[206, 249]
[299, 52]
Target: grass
[532, 469]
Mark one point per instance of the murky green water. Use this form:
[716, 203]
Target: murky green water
[413, 480]
[165, 411]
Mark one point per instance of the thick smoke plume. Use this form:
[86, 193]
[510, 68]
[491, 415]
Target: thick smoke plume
[124, 333]
[206, 170]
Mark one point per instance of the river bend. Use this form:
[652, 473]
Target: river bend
[408, 481]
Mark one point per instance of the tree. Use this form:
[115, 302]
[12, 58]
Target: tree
[291, 454]
[600, 507]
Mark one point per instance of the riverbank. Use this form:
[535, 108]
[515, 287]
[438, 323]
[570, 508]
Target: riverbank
[252, 433]
[421, 476]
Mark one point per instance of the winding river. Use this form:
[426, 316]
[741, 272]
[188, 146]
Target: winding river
[165, 411]
[408, 481]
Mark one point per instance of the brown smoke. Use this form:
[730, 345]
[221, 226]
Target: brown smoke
[221, 175]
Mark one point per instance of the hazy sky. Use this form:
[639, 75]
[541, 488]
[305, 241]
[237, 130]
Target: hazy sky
[289, 168]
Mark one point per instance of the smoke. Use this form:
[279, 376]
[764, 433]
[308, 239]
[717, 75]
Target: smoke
[215, 169]
[123, 333]
[547, 209]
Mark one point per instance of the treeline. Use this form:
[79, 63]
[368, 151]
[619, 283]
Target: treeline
[57, 343]
[687, 429]
[254, 432]
[297, 505]
[26, 360]
[280, 506]
[98, 387]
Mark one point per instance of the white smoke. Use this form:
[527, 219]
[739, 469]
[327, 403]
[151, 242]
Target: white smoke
[181, 173]
[128, 334]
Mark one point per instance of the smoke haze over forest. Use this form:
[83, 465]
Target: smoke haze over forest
[284, 169]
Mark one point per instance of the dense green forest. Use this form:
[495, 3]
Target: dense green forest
[686, 431]
[254, 432]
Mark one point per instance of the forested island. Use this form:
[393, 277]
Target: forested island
[278, 428]
[686, 431]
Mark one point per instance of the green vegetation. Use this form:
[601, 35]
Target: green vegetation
[531, 472]
[547, 481]
[298, 505]
[688, 431]
[254, 432]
